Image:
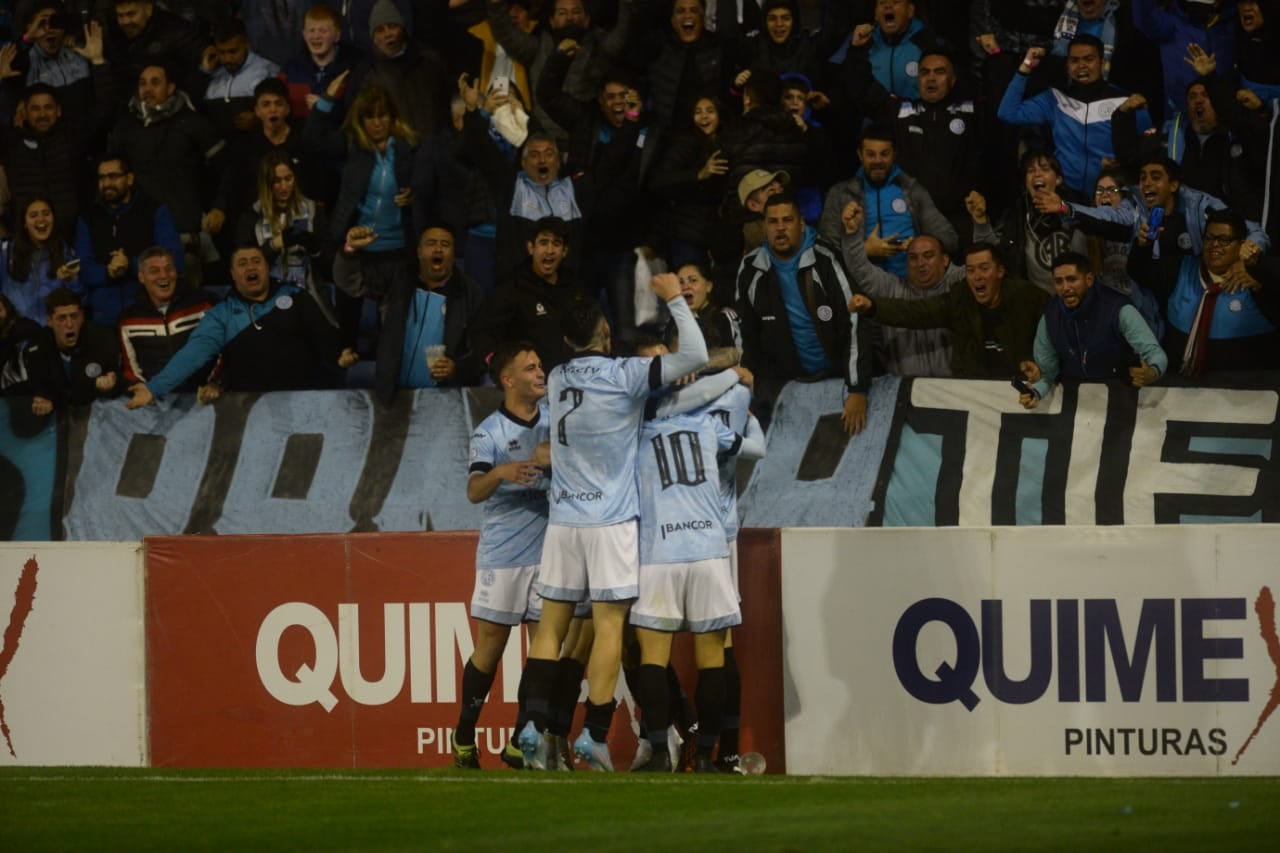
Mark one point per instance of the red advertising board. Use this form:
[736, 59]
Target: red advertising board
[348, 650]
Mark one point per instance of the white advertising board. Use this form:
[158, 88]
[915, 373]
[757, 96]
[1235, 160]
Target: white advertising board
[1091, 651]
[72, 667]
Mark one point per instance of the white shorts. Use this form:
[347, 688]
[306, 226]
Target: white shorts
[602, 563]
[697, 597]
[506, 596]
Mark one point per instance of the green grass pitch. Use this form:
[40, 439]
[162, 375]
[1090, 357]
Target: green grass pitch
[146, 809]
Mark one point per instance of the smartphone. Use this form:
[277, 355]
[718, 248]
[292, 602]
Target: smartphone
[1019, 382]
[74, 265]
[1154, 220]
[499, 84]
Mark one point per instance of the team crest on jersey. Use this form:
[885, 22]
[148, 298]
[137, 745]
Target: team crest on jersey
[539, 309]
[487, 577]
[1184, 241]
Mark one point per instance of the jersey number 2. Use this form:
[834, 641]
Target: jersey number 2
[565, 394]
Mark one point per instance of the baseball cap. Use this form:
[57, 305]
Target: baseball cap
[759, 179]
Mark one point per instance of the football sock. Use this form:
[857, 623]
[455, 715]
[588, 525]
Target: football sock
[599, 718]
[651, 692]
[679, 711]
[475, 687]
[565, 699]
[732, 719]
[538, 684]
[709, 697]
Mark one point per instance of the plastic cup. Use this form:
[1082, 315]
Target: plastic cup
[434, 354]
[751, 764]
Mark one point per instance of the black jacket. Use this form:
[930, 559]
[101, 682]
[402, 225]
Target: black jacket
[526, 308]
[463, 298]
[169, 157]
[768, 348]
[606, 175]
[94, 355]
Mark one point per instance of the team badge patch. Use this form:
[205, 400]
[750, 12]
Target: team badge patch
[93, 370]
[824, 313]
[957, 126]
[899, 205]
[284, 302]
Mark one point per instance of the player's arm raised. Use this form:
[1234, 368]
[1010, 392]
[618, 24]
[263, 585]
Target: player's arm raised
[692, 355]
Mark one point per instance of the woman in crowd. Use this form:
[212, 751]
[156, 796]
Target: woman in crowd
[376, 192]
[1111, 257]
[36, 261]
[692, 179]
[719, 324]
[288, 227]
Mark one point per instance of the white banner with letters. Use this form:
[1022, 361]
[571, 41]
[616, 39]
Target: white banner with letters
[72, 667]
[1091, 651]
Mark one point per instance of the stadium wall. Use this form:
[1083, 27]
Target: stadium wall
[324, 651]
[1098, 651]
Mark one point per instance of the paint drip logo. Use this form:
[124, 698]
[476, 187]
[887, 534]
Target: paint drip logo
[1264, 606]
[24, 599]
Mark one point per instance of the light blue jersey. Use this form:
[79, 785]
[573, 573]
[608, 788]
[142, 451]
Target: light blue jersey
[733, 409]
[515, 516]
[597, 403]
[682, 520]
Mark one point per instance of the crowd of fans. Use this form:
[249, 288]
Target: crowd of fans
[257, 195]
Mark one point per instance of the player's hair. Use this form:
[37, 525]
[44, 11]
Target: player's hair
[1072, 258]
[114, 157]
[61, 298]
[939, 49]
[1089, 41]
[786, 196]
[375, 100]
[1036, 155]
[538, 136]
[581, 321]
[439, 225]
[153, 252]
[271, 86]
[645, 340]
[324, 12]
[504, 355]
[1116, 173]
[1226, 216]
[877, 132]
[984, 246]
[227, 29]
[42, 89]
[1170, 166]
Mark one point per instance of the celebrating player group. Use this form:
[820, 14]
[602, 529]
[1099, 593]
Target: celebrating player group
[628, 538]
